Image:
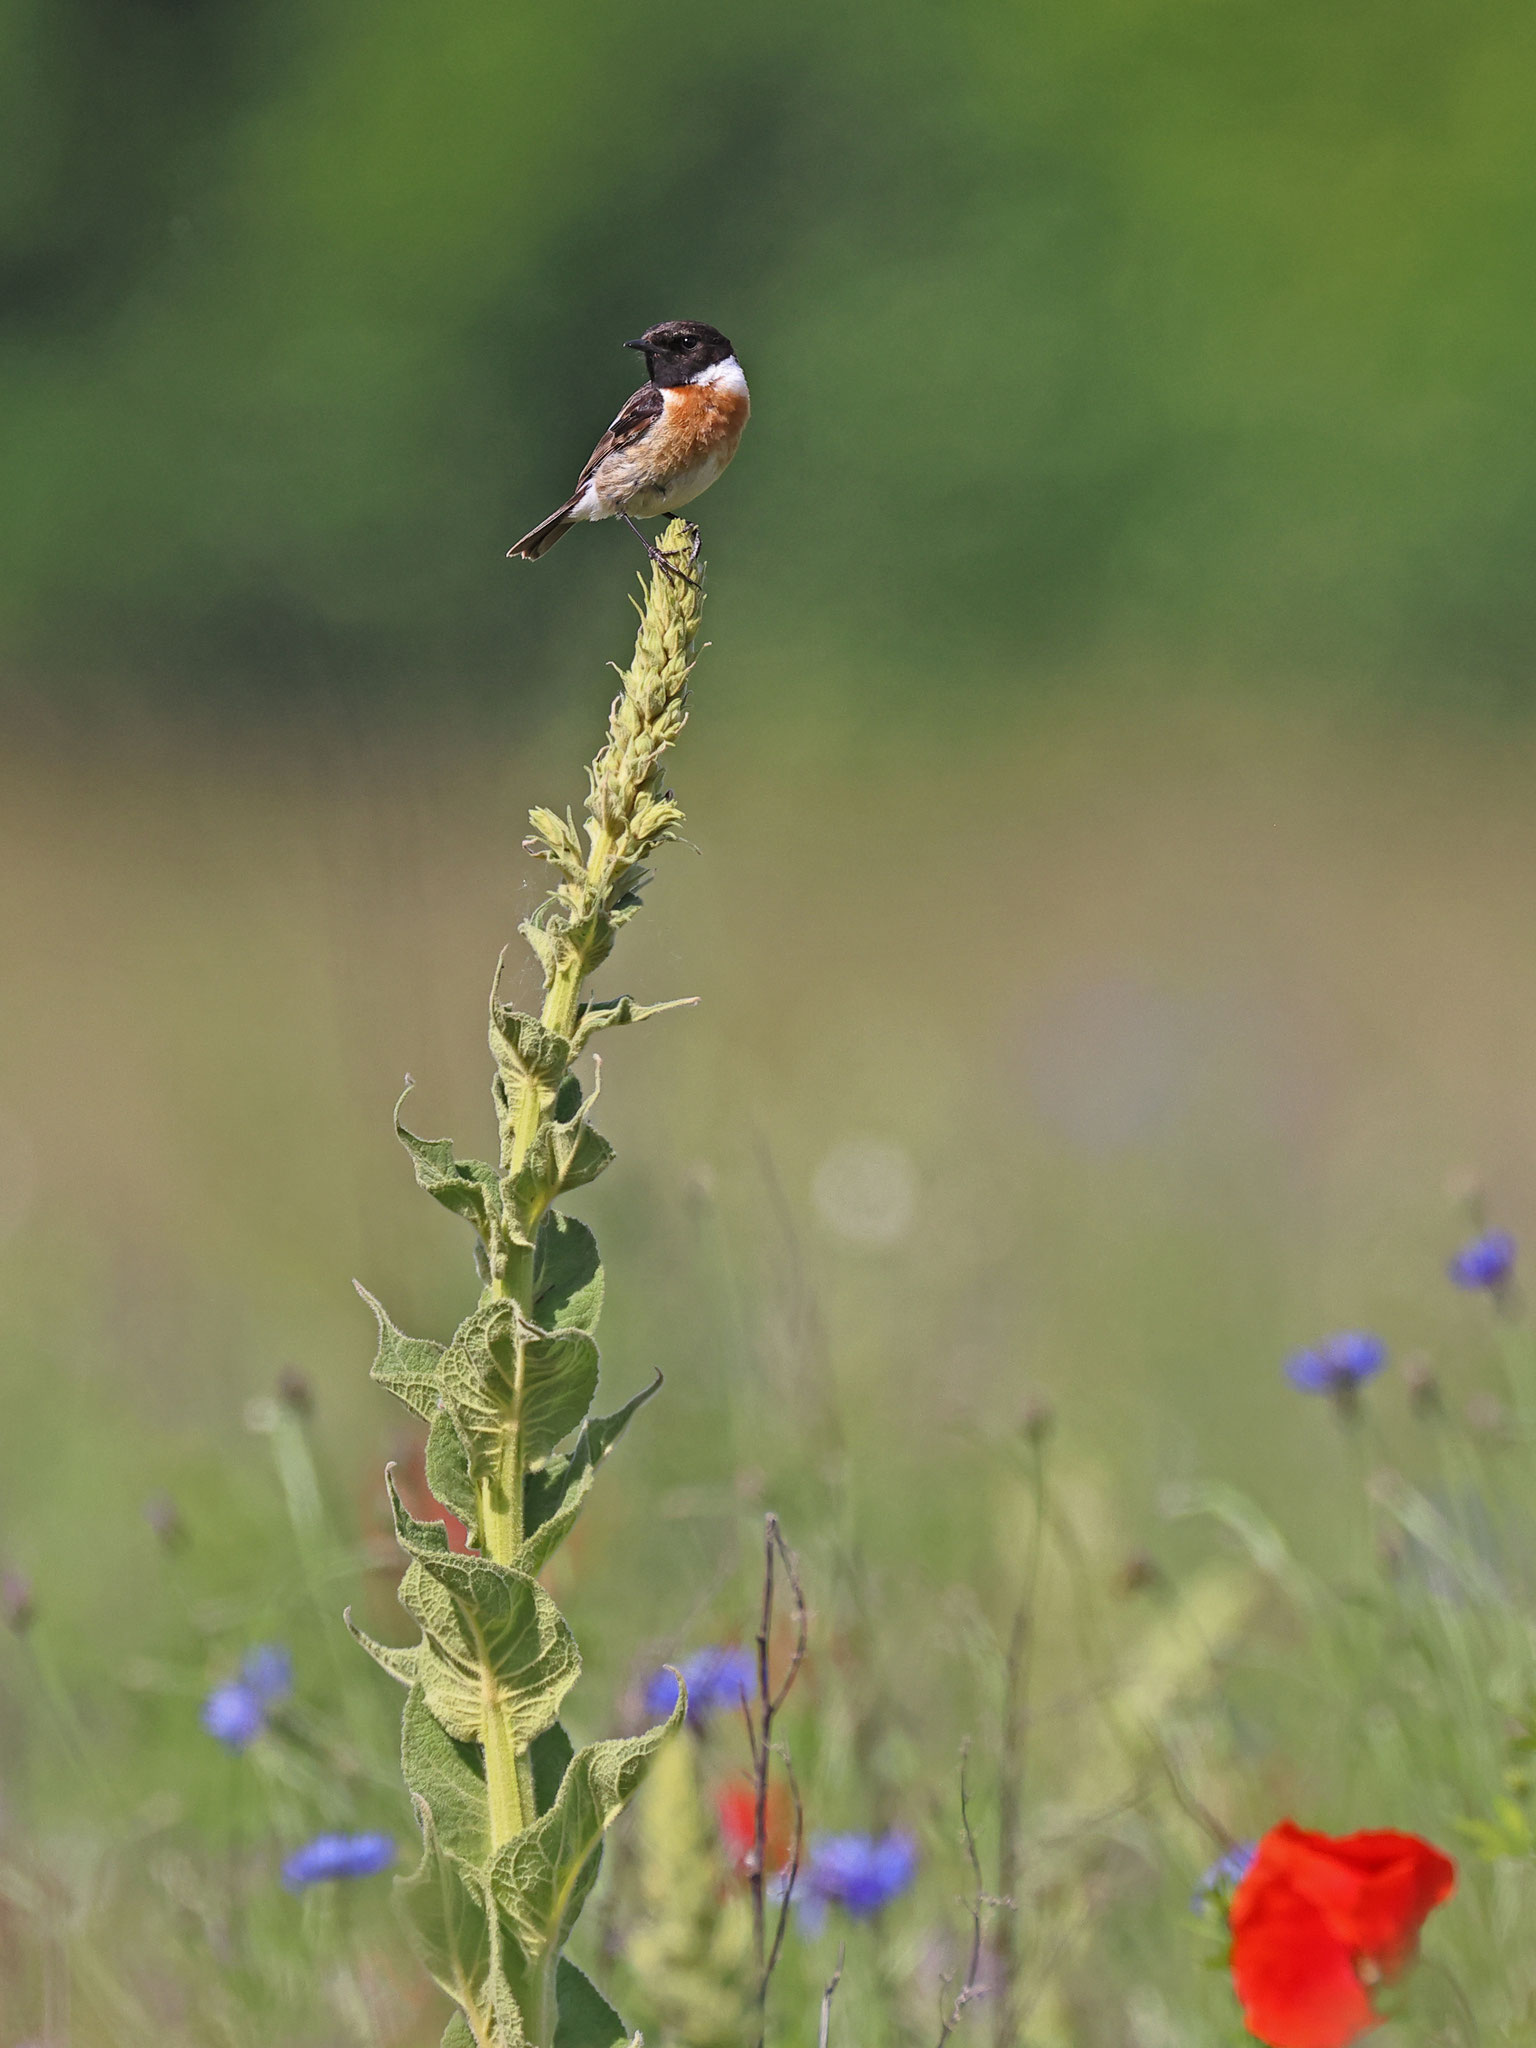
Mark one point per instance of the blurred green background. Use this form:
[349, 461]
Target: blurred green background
[1177, 328]
[1111, 776]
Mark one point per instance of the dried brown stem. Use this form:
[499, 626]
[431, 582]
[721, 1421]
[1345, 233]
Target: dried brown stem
[1017, 1670]
[1192, 1804]
[970, 1990]
[791, 1869]
[829, 1994]
[776, 1553]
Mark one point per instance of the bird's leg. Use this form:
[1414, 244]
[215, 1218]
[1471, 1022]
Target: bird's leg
[666, 563]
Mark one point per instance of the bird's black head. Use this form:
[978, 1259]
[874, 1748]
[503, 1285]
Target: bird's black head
[677, 350]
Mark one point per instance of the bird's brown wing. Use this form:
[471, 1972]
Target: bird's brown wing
[638, 414]
[639, 411]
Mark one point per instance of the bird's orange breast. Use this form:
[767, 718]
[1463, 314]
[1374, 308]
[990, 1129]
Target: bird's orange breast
[701, 422]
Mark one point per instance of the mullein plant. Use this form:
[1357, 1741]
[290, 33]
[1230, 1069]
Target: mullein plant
[512, 1822]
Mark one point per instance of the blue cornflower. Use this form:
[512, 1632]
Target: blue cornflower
[234, 1713]
[1487, 1261]
[1339, 1364]
[329, 1857]
[1224, 1876]
[860, 1873]
[268, 1672]
[717, 1678]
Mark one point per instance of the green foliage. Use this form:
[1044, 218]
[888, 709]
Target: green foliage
[512, 1823]
[540, 1880]
[691, 1947]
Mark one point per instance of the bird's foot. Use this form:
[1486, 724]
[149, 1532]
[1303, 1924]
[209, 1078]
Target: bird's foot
[665, 560]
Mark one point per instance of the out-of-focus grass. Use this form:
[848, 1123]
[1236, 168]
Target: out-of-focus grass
[1105, 1058]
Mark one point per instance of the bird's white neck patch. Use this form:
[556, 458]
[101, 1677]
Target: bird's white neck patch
[726, 376]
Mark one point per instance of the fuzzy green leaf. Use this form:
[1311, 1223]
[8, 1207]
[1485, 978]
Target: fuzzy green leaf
[563, 1155]
[502, 2024]
[567, 1275]
[546, 946]
[545, 1492]
[422, 1540]
[527, 1054]
[550, 1759]
[578, 1152]
[586, 2019]
[503, 1374]
[407, 1366]
[507, 2029]
[541, 1879]
[539, 1547]
[525, 1047]
[449, 1777]
[400, 1662]
[495, 1641]
[446, 1909]
[448, 1472]
[468, 1187]
[588, 939]
[624, 1010]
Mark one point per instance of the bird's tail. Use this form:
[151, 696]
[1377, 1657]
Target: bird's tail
[544, 536]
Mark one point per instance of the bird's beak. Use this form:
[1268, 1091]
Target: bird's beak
[641, 343]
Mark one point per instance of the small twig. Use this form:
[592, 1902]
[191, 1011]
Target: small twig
[760, 1738]
[1018, 1667]
[1195, 1807]
[792, 1573]
[829, 1994]
[760, 1765]
[751, 1726]
[971, 1989]
[792, 1868]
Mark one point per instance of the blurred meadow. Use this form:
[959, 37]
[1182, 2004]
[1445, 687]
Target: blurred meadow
[1108, 900]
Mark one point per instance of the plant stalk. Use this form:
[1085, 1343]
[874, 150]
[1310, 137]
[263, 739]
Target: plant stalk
[511, 1803]
[505, 1360]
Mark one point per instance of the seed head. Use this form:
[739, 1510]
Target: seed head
[164, 1517]
[16, 1604]
[296, 1391]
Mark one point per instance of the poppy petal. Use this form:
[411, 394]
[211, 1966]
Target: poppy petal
[1374, 1889]
[1295, 1980]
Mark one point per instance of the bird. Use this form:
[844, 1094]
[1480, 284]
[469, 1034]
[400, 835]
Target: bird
[672, 438]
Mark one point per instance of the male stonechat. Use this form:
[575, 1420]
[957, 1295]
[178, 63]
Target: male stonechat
[669, 443]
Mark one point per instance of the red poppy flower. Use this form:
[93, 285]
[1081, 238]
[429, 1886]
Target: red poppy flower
[1319, 1919]
[736, 1805]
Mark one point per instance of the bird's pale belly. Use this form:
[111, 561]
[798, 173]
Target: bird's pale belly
[647, 500]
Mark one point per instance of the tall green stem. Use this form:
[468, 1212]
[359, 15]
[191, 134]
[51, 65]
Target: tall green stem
[511, 1807]
[516, 1380]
